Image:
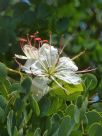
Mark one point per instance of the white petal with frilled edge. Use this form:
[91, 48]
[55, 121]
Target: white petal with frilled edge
[49, 53]
[37, 68]
[30, 52]
[66, 63]
[27, 66]
[69, 77]
[40, 87]
[26, 69]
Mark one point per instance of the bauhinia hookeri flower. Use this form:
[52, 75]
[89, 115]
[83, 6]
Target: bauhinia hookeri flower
[46, 64]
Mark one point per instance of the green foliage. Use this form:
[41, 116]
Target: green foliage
[3, 71]
[72, 90]
[75, 112]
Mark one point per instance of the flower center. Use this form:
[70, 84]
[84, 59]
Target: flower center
[51, 71]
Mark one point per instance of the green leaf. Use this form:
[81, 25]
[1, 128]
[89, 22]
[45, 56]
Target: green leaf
[2, 115]
[5, 87]
[66, 126]
[95, 130]
[84, 119]
[12, 97]
[84, 105]
[37, 132]
[9, 122]
[71, 93]
[70, 110]
[56, 103]
[3, 108]
[90, 81]
[44, 104]
[35, 106]
[54, 124]
[93, 116]
[3, 102]
[28, 116]
[76, 133]
[45, 133]
[79, 101]
[26, 84]
[16, 133]
[16, 87]
[3, 71]
[77, 115]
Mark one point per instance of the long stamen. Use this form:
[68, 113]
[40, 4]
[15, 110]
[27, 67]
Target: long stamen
[66, 91]
[78, 55]
[29, 40]
[22, 41]
[86, 71]
[42, 64]
[61, 42]
[50, 61]
[20, 65]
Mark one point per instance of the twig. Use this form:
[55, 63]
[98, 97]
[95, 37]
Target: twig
[78, 55]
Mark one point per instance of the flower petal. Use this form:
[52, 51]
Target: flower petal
[37, 68]
[40, 87]
[69, 77]
[20, 56]
[49, 53]
[30, 52]
[66, 63]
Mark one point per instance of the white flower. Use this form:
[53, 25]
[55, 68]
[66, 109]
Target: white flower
[46, 63]
[31, 54]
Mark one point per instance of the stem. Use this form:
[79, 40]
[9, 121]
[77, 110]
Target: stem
[82, 127]
[66, 92]
[86, 71]
[78, 55]
[15, 71]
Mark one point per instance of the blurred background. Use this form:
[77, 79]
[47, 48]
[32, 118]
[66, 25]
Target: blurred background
[80, 21]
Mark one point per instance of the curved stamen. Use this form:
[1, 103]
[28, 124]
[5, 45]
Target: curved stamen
[66, 91]
[85, 71]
